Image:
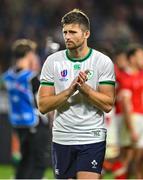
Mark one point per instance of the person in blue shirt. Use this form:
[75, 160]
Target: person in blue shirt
[22, 82]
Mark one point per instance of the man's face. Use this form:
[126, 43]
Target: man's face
[74, 35]
[121, 61]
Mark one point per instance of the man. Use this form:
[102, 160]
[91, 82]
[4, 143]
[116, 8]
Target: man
[22, 85]
[78, 83]
[117, 157]
[131, 128]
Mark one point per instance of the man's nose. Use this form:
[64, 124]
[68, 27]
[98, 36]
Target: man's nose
[67, 36]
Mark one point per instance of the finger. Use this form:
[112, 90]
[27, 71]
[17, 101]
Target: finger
[83, 76]
[87, 71]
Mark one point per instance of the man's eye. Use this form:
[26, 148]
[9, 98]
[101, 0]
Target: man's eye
[72, 32]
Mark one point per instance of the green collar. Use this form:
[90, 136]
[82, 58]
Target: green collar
[76, 59]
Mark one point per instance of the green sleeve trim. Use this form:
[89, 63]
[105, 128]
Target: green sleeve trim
[107, 82]
[47, 83]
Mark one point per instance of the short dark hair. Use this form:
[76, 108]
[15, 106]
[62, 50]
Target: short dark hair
[132, 49]
[22, 46]
[76, 16]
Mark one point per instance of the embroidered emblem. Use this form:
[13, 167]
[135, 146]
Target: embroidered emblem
[64, 74]
[94, 164]
[90, 74]
[77, 66]
[57, 171]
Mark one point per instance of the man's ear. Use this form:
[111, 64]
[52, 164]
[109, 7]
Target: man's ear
[87, 34]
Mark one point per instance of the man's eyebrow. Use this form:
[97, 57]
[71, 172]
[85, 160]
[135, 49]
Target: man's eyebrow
[71, 31]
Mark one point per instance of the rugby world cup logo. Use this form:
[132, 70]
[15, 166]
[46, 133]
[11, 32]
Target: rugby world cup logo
[64, 74]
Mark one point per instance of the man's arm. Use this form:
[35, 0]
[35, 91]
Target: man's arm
[49, 101]
[128, 111]
[103, 99]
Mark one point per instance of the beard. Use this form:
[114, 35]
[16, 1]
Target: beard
[73, 46]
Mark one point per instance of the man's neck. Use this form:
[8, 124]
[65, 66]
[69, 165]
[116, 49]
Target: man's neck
[78, 53]
[133, 69]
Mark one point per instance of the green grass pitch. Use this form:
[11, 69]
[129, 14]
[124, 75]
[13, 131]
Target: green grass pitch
[7, 172]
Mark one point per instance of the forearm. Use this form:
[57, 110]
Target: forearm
[50, 103]
[127, 112]
[127, 117]
[50, 116]
[98, 99]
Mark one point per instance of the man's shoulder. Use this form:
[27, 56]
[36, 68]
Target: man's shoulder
[101, 57]
[11, 73]
[100, 54]
[58, 54]
[6, 73]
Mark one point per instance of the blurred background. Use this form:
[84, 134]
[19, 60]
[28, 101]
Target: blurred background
[114, 23]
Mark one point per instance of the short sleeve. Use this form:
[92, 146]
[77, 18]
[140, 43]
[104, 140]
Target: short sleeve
[106, 72]
[47, 72]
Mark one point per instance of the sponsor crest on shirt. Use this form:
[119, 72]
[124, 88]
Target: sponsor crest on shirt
[90, 74]
[77, 66]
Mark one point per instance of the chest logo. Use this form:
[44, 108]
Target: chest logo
[77, 67]
[63, 75]
[90, 74]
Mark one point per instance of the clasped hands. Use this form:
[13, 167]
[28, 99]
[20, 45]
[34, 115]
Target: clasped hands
[82, 78]
[79, 81]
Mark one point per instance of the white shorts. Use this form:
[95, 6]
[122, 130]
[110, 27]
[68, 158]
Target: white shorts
[112, 149]
[124, 134]
[112, 127]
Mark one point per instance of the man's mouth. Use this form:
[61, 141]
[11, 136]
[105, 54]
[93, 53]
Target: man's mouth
[69, 42]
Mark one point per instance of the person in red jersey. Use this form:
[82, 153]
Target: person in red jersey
[115, 159]
[132, 107]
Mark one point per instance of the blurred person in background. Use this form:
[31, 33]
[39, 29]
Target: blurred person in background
[112, 162]
[22, 83]
[78, 83]
[119, 163]
[121, 68]
[131, 129]
[112, 145]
